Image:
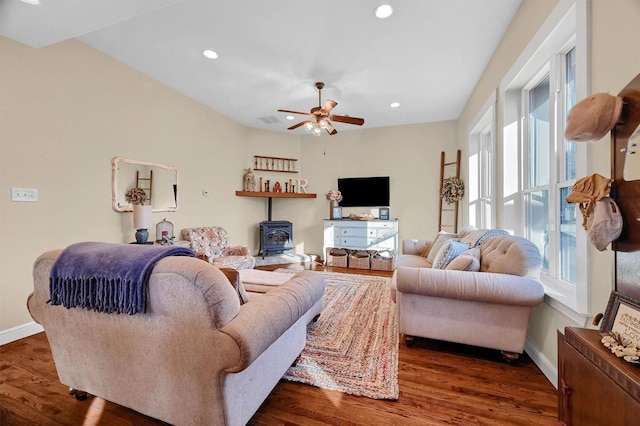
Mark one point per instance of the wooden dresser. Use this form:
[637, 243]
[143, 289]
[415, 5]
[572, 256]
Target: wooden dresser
[594, 386]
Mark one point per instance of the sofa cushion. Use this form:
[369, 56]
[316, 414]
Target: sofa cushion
[467, 261]
[449, 251]
[440, 239]
[412, 261]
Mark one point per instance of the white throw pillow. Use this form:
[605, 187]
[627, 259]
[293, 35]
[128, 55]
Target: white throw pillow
[467, 261]
[440, 239]
[449, 251]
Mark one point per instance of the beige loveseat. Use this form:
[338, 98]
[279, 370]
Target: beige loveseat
[196, 357]
[483, 297]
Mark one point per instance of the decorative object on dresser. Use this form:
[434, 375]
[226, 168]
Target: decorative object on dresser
[621, 323]
[336, 212]
[383, 213]
[164, 232]
[334, 197]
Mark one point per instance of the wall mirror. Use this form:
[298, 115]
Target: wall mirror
[161, 181]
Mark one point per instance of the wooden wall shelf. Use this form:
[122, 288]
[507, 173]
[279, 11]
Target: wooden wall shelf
[275, 194]
[271, 195]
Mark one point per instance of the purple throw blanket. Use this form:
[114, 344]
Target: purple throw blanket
[106, 277]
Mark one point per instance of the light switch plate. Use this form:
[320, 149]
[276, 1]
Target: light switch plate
[24, 195]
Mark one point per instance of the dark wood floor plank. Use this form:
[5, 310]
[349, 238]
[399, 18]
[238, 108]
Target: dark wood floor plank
[440, 383]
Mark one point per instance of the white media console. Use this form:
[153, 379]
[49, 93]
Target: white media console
[361, 235]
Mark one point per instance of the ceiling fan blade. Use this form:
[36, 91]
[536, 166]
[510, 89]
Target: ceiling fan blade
[330, 129]
[293, 112]
[346, 119]
[295, 126]
[328, 106]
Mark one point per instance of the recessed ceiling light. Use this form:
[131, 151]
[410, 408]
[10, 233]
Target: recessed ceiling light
[290, 117]
[210, 54]
[384, 11]
[394, 104]
[31, 2]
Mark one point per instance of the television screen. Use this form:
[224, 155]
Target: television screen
[364, 191]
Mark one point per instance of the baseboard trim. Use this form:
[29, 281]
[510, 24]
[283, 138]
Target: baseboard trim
[543, 363]
[19, 332]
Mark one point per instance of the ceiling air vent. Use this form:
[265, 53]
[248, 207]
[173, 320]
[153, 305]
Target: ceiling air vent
[269, 119]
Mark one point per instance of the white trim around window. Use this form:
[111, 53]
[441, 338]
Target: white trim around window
[566, 27]
[482, 167]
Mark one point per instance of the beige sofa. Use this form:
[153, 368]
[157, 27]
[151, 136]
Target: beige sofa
[488, 305]
[196, 357]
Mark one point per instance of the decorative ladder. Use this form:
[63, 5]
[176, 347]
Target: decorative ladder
[145, 184]
[452, 209]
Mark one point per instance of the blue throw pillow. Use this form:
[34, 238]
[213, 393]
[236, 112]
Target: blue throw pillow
[449, 251]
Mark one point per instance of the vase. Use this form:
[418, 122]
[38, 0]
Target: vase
[334, 210]
[142, 235]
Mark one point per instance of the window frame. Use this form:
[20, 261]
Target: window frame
[566, 28]
[481, 174]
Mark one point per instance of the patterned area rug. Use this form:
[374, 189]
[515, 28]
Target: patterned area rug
[353, 347]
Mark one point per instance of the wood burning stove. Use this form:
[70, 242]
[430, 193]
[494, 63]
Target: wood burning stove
[276, 236]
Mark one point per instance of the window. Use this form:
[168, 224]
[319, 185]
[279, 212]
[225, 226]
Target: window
[537, 163]
[480, 185]
[540, 166]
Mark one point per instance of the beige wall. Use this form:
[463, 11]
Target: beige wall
[66, 110]
[615, 60]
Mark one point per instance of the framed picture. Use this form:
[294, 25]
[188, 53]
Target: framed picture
[622, 315]
[384, 213]
[336, 212]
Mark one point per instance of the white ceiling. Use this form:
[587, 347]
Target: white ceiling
[428, 55]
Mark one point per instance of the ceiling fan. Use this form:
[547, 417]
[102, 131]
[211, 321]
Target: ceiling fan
[320, 117]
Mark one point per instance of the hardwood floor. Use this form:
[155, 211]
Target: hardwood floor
[440, 383]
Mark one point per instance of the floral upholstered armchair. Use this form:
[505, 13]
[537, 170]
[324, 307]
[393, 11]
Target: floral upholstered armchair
[212, 243]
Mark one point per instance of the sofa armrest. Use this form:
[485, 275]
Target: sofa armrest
[485, 287]
[264, 319]
[417, 247]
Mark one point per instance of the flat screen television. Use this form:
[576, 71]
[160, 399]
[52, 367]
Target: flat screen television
[364, 191]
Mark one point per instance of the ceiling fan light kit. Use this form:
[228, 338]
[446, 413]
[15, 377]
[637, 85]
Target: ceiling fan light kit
[320, 117]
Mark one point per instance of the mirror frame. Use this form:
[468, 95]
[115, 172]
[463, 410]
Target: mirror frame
[115, 161]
